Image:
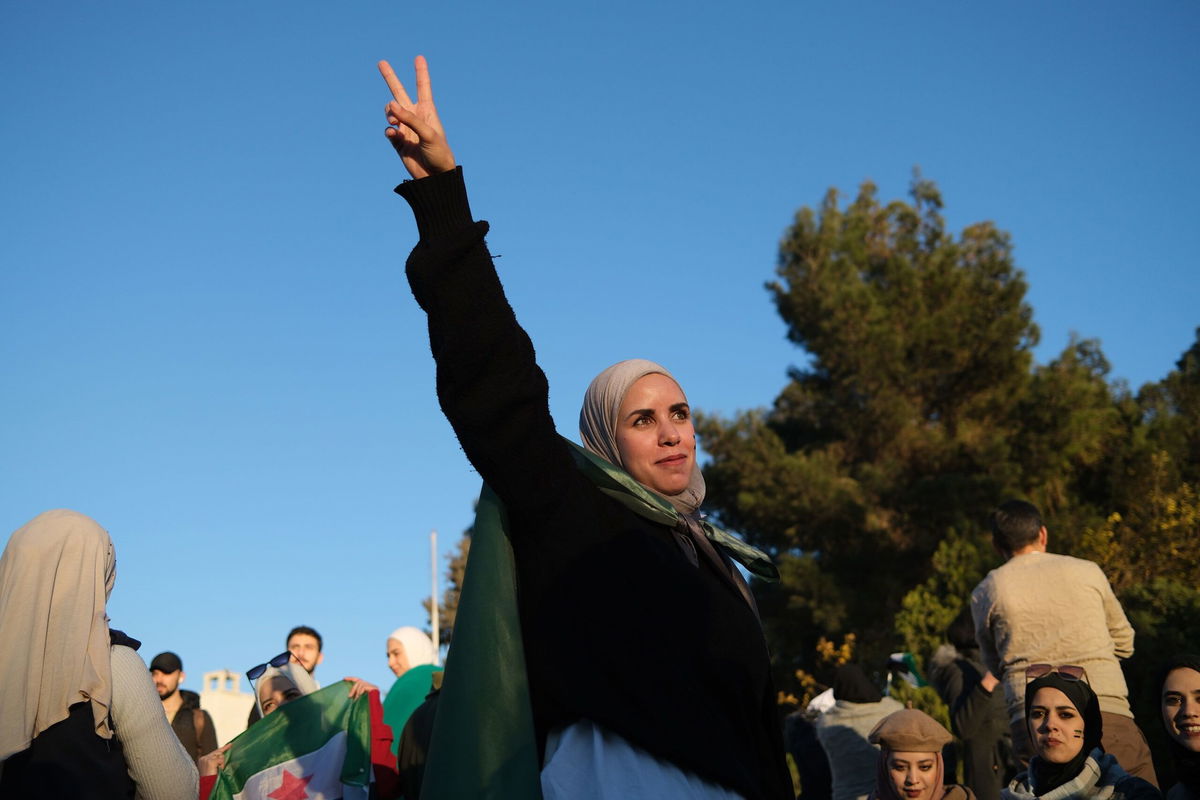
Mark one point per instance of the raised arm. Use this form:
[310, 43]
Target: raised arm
[414, 128]
[488, 382]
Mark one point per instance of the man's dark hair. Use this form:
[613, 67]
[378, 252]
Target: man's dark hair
[961, 632]
[307, 631]
[1015, 524]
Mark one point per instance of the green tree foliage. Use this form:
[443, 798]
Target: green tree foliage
[927, 610]
[899, 428]
[1068, 426]
[1165, 528]
[918, 410]
[922, 698]
[1171, 411]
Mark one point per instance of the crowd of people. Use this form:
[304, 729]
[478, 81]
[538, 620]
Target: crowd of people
[618, 618]
[85, 722]
[82, 716]
[1031, 676]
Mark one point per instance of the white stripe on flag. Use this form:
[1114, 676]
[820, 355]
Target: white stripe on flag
[312, 776]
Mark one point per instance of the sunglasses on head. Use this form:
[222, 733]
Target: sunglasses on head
[278, 661]
[1068, 672]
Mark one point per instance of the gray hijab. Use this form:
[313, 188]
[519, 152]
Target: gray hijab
[601, 410]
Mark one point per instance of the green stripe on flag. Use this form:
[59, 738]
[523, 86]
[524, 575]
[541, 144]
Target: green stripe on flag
[296, 729]
[483, 744]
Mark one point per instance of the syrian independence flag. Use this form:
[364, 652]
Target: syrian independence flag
[317, 747]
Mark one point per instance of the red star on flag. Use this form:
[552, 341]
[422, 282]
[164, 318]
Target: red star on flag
[292, 788]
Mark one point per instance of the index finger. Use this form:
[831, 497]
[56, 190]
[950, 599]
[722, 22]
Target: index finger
[389, 75]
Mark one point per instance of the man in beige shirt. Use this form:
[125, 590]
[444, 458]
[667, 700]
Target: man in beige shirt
[1044, 608]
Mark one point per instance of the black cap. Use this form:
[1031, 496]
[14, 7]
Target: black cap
[166, 662]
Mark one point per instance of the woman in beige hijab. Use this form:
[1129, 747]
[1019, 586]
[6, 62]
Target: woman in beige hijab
[638, 641]
[79, 716]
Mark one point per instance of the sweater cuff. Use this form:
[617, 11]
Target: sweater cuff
[439, 203]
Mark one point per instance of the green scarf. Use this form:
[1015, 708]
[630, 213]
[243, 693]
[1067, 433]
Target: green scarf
[483, 743]
[620, 486]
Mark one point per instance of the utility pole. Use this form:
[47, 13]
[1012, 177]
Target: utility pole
[435, 604]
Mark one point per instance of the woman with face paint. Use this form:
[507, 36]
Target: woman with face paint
[1180, 695]
[278, 686]
[910, 765]
[1065, 726]
[647, 671]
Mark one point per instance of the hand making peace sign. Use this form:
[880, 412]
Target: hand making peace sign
[414, 128]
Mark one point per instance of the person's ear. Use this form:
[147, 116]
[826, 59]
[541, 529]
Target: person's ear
[320, 658]
[1043, 536]
[182, 678]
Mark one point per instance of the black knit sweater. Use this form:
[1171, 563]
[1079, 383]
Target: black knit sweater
[619, 627]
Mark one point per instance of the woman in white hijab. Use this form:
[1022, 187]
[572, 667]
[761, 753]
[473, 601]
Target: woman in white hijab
[411, 659]
[408, 647]
[79, 716]
[648, 673]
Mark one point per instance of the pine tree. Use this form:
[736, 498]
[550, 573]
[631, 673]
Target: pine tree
[896, 431]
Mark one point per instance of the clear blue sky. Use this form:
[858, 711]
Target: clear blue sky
[208, 343]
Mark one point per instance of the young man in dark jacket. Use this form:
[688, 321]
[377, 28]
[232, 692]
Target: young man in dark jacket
[192, 725]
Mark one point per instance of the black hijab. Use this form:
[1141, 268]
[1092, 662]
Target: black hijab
[1187, 762]
[1045, 775]
[851, 684]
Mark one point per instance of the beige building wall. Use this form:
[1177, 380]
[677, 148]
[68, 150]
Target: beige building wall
[226, 703]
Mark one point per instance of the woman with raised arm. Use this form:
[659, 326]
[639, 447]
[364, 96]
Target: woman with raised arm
[648, 674]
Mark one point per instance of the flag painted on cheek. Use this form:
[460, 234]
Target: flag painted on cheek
[317, 747]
